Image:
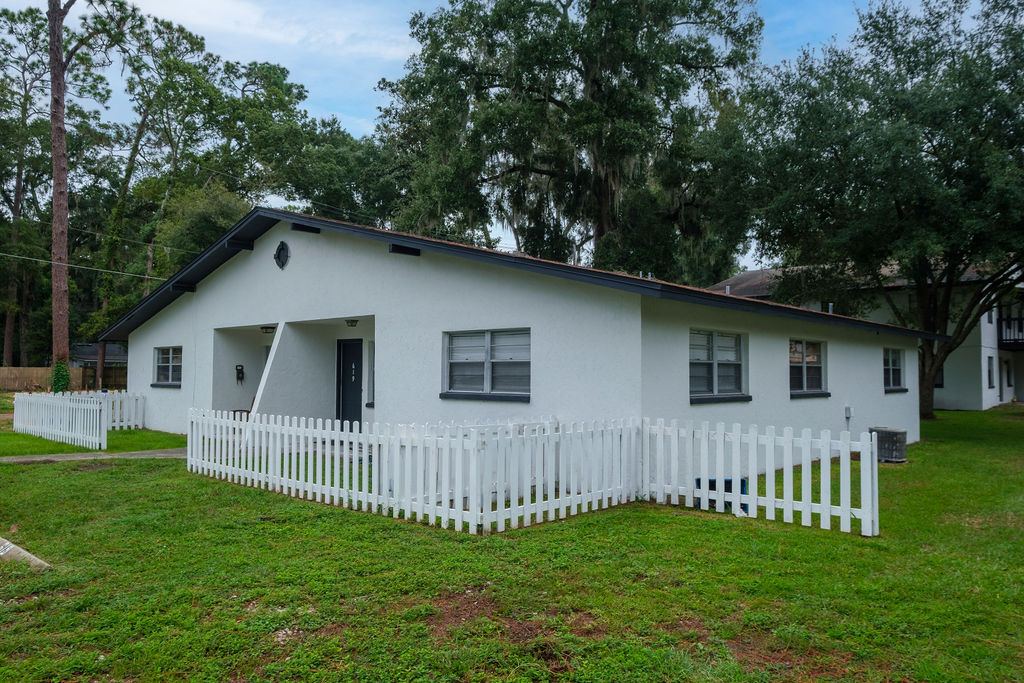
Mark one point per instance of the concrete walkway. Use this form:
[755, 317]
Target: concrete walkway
[174, 453]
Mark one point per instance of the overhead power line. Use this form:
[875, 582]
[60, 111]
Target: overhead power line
[122, 239]
[349, 215]
[73, 265]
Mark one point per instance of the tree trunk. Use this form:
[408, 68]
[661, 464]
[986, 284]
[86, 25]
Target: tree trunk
[605, 209]
[926, 395]
[12, 311]
[149, 266]
[24, 323]
[929, 359]
[101, 358]
[59, 150]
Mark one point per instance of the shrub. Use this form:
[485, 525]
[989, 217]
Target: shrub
[60, 379]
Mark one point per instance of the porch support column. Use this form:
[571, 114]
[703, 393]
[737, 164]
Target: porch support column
[266, 369]
[101, 357]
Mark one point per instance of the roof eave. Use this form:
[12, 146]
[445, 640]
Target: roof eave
[259, 220]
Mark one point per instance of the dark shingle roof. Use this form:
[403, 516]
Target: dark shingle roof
[242, 235]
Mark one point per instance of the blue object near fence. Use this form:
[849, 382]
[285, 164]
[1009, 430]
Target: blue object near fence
[713, 486]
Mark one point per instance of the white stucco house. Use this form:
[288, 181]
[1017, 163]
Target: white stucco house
[296, 315]
[983, 372]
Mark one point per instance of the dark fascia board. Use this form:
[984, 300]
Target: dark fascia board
[260, 219]
[250, 227]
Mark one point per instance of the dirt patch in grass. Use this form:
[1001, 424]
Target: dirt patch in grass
[977, 523]
[457, 609]
[545, 650]
[283, 635]
[331, 629]
[584, 625]
[758, 651]
[690, 628]
[93, 466]
[24, 599]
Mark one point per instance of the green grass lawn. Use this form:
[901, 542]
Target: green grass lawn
[162, 574]
[118, 441]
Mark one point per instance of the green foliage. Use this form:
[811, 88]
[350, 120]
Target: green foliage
[208, 138]
[60, 377]
[899, 159]
[551, 119]
[160, 570]
[193, 220]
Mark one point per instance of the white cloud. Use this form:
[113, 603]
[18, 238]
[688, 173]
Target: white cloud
[334, 30]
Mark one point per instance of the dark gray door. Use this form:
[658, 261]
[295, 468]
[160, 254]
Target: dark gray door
[350, 380]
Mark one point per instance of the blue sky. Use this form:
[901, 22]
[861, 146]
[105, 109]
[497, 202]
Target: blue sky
[340, 49]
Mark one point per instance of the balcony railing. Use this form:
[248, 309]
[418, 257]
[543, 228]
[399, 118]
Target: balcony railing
[1010, 324]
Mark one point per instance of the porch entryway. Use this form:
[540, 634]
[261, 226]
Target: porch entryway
[319, 368]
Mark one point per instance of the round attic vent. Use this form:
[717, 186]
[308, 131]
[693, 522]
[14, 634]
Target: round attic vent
[281, 255]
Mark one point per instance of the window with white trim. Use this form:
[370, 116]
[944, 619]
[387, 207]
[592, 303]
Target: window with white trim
[892, 368]
[493, 363]
[167, 365]
[806, 366]
[716, 364]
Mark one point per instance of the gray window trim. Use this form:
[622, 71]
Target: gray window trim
[487, 393]
[887, 367]
[823, 392]
[168, 383]
[714, 363]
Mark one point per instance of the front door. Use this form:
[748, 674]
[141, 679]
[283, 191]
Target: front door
[350, 380]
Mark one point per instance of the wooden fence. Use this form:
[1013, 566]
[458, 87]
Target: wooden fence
[488, 478]
[114, 377]
[33, 379]
[75, 419]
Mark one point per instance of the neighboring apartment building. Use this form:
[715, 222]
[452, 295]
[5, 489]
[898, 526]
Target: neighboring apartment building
[985, 371]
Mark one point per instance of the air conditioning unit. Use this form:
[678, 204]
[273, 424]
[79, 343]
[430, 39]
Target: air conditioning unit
[892, 444]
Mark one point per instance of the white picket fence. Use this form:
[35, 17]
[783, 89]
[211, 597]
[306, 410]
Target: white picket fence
[68, 417]
[124, 410]
[76, 419]
[493, 477]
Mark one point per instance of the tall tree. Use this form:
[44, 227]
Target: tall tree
[23, 73]
[101, 30]
[901, 160]
[547, 116]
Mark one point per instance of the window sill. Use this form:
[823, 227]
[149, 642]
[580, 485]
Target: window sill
[896, 390]
[721, 398]
[166, 385]
[465, 396]
[809, 394]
